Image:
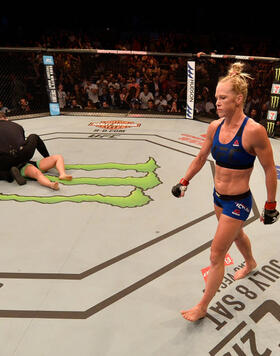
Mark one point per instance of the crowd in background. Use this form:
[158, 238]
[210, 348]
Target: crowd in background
[125, 82]
[149, 83]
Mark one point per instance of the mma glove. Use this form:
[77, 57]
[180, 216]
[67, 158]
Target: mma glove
[270, 215]
[180, 188]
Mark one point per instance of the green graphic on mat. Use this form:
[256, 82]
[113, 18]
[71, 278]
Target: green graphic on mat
[136, 198]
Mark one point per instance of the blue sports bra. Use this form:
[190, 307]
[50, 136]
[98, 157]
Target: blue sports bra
[232, 155]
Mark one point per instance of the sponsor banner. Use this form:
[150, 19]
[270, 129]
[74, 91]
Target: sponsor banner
[193, 139]
[275, 89]
[48, 60]
[112, 125]
[274, 101]
[51, 85]
[272, 114]
[277, 74]
[270, 126]
[190, 89]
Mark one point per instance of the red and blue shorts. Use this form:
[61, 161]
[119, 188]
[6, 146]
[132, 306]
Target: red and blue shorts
[234, 206]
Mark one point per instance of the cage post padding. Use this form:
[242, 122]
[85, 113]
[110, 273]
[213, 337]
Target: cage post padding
[190, 89]
[51, 85]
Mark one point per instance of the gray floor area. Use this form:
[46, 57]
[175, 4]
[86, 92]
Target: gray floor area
[104, 265]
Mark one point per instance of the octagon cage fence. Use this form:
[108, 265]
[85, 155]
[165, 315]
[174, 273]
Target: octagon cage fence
[43, 81]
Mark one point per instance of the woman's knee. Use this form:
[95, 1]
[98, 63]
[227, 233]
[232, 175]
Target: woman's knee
[240, 235]
[56, 157]
[32, 172]
[217, 256]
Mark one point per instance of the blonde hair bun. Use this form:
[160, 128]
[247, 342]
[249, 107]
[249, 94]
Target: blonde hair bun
[235, 69]
[238, 79]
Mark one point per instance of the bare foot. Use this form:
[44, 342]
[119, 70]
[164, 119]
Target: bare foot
[194, 314]
[65, 177]
[54, 186]
[243, 272]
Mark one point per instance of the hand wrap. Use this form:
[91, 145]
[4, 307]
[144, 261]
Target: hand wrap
[270, 215]
[180, 188]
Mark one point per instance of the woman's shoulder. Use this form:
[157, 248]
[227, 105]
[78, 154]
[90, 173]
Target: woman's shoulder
[255, 132]
[213, 127]
[215, 123]
[254, 127]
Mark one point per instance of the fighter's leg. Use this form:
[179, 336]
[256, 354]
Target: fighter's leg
[227, 231]
[244, 246]
[33, 172]
[27, 150]
[55, 161]
[16, 175]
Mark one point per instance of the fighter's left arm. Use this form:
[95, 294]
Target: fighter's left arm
[263, 150]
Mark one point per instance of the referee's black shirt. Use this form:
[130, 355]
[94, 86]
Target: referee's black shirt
[11, 136]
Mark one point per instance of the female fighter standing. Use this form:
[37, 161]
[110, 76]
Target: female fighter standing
[234, 141]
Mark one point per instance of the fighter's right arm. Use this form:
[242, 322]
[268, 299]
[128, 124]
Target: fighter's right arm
[199, 161]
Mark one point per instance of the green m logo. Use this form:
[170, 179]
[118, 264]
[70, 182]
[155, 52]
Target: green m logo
[136, 198]
[274, 101]
[270, 127]
[277, 74]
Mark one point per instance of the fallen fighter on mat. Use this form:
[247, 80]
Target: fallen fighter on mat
[35, 170]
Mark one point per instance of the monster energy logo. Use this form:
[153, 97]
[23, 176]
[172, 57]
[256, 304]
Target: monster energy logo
[270, 127]
[136, 198]
[277, 74]
[274, 102]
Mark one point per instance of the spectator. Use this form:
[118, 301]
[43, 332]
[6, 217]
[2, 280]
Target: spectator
[132, 97]
[263, 113]
[155, 86]
[75, 105]
[92, 93]
[205, 105]
[79, 95]
[169, 96]
[151, 105]
[248, 105]
[61, 96]
[172, 83]
[123, 82]
[161, 104]
[114, 100]
[135, 104]
[132, 83]
[3, 108]
[123, 98]
[104, 98]
[114, 83]
[145, 96]
[174, 104]
[255, 98]
[90, 105]
[254, 114]
[139, 78]
[163, 81]
[102, 83]
[24, 106]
